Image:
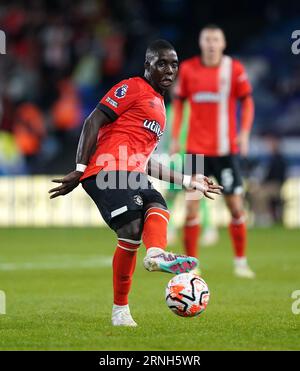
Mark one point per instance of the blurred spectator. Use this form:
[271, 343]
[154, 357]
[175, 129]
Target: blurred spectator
[56, 38]
[29, 131]
[11, 160]
[66, 112]
[96, 43]
[265, 195]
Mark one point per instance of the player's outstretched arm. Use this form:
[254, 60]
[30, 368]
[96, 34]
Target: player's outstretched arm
[202, 183]
[247, 117]
[86, 147]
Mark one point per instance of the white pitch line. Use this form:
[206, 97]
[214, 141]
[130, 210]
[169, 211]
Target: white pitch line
[101, 261]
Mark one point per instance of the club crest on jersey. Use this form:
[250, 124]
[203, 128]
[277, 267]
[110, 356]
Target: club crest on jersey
[121, 91]
[138, 200]
[153, 126]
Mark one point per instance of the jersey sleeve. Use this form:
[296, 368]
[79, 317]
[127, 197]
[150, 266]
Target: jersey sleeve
[180, 90]
[242, 84]
[119, 98]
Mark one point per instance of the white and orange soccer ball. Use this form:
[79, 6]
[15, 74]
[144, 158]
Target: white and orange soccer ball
[187, 295]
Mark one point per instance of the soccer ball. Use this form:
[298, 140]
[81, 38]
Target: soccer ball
[187, 295]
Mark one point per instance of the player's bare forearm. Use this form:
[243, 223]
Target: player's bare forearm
[161, 172]
[203, 184]
[247, 116]
[85, 149]
[88, 137]
[247, 113]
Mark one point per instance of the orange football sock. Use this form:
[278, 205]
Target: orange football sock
[155, 228]
[238, 234]
[124, 262]
[191, 232]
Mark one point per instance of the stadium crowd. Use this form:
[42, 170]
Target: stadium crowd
[61, 58]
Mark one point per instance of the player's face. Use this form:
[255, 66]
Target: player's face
[212, 42]
[163, 69]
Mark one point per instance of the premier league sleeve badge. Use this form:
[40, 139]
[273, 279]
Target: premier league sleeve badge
[121, 91]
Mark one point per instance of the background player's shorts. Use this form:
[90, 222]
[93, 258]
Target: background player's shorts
[121, 206]
[226, 169]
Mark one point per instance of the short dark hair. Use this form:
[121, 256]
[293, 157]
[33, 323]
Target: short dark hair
[211, 26]
[157, 45]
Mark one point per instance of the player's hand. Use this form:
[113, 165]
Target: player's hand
[205, 185]
[174, 147]
[68, 183]
[244, 143]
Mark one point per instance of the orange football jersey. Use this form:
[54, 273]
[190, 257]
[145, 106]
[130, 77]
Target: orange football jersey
[212, 93]
[138, 119]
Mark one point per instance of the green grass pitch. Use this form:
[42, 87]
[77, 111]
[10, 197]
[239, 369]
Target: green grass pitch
[59, 293]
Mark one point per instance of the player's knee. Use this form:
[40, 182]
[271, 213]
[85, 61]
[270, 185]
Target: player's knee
[131, 230]
[236, 212]
[236, 209]
[192, 209]
[235, 206]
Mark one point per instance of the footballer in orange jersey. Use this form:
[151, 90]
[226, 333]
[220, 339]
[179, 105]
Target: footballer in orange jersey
[113, 160]
[214, 83]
